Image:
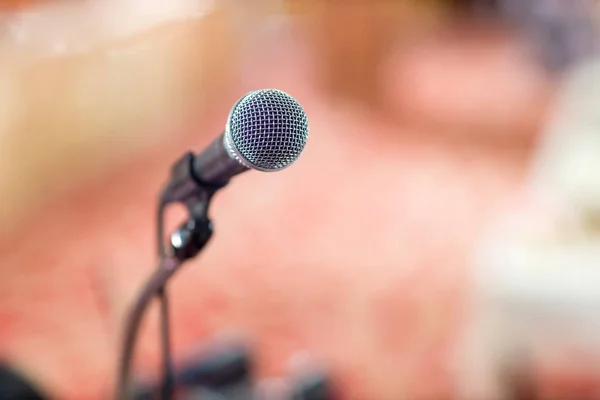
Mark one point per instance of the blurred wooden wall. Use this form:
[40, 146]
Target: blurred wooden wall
[11, 5]
[351, 39]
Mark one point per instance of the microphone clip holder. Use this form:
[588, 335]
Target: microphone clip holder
[185, 188]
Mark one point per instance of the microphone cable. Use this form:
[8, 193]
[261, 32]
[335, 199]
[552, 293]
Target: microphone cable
[165, 337]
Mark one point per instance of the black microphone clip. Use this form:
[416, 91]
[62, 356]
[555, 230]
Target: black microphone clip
[185, 188]
[191, 237]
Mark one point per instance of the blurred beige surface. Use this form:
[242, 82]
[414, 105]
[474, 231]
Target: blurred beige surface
[67, 117]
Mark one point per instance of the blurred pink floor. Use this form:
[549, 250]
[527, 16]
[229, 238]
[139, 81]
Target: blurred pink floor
[358, 253]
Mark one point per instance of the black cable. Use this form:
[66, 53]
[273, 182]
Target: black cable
[168, 266]
[168, 379]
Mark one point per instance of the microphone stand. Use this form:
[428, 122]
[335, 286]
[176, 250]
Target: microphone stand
[186, 242]
[226, 375]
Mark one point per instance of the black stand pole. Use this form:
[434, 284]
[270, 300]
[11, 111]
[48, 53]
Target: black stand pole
[167, 388]
[185, 243]
[152, 287]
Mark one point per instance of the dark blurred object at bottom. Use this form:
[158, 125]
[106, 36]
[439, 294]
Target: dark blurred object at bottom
[227, 374]
[15, 387]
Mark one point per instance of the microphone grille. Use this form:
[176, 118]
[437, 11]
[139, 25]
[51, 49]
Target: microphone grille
[267, 130]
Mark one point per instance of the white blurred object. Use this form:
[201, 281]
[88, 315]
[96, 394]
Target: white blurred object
[569, 160]
[537, 275]
[78, 26]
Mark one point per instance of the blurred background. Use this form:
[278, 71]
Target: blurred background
[444, 214]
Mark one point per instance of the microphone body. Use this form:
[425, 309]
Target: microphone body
[215, 166]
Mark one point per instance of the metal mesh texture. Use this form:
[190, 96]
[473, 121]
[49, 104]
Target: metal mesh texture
[269, 129]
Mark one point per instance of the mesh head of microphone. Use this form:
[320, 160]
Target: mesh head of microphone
[266, 130]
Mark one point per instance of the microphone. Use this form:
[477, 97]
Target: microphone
[266, 131]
